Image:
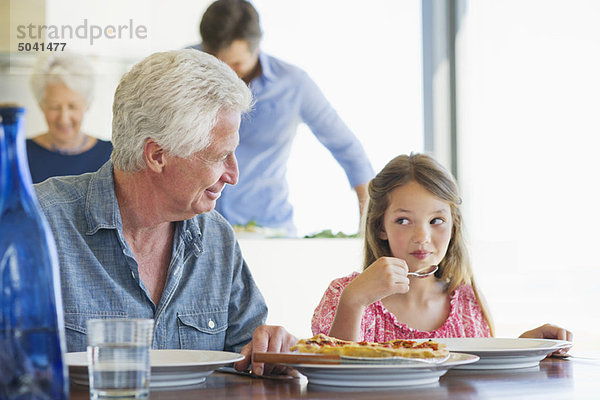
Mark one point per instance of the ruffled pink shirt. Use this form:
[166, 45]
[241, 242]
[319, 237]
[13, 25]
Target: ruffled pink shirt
[379, 325]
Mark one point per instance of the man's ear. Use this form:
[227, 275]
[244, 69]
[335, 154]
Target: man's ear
[154, 156]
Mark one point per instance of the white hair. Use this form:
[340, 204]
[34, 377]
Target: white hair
[71, 69]
[172, 98]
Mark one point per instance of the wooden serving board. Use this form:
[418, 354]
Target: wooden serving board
[296, 358]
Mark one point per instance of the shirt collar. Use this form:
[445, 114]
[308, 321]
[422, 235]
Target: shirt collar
[192, 235]
[265, 64]
[101, 207]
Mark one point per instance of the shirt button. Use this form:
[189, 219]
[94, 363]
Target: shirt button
[211, 323]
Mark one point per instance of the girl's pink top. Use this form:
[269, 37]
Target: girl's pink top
[379, 325]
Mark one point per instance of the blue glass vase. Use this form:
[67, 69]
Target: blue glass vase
[31, 317]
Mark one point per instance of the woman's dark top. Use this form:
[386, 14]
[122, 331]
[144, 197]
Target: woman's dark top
[44, 163]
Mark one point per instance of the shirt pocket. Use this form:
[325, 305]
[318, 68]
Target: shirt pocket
[202, 330]
[76, 330]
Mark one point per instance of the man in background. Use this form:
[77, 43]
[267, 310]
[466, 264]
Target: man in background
[284, 96]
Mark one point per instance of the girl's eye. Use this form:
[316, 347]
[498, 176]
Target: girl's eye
[437, 221]
[402, 221]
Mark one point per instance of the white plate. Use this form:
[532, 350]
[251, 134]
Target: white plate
[504, 353]
[394, 360]
[380, 375]
[169, 368]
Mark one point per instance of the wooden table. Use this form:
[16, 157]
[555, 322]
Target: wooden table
[553, 379]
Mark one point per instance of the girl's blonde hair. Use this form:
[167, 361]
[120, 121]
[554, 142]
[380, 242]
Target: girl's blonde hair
[455, 268]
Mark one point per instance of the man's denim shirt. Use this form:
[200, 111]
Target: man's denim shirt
[210, 300]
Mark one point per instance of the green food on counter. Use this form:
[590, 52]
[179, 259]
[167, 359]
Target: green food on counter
[327, 233]
[251, 226]
[253, 229]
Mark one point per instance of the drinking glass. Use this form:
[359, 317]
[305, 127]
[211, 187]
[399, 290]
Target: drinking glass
[119, 357]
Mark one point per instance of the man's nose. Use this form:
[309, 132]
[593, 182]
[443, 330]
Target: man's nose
[231, 174]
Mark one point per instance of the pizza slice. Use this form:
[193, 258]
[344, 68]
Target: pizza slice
[323, 344]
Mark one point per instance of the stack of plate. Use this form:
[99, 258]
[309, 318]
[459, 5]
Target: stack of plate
[169, 368]
[504, 353]
[386, 374]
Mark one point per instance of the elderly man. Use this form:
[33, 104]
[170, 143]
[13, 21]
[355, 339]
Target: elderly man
[139, 237]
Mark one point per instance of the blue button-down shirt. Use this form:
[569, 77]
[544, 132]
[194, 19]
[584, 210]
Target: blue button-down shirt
[209, 302]
[284, 97]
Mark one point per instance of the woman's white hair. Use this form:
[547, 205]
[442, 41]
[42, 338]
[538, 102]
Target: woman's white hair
[70, 69]
[172, 98]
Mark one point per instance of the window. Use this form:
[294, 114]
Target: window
[366, 58]
[528, 106]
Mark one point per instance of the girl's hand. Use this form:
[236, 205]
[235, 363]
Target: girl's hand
[386, 276]
[549, 331]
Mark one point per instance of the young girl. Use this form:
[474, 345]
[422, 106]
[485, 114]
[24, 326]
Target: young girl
[413, 221]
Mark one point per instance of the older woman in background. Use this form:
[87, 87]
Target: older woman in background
[63, 86]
